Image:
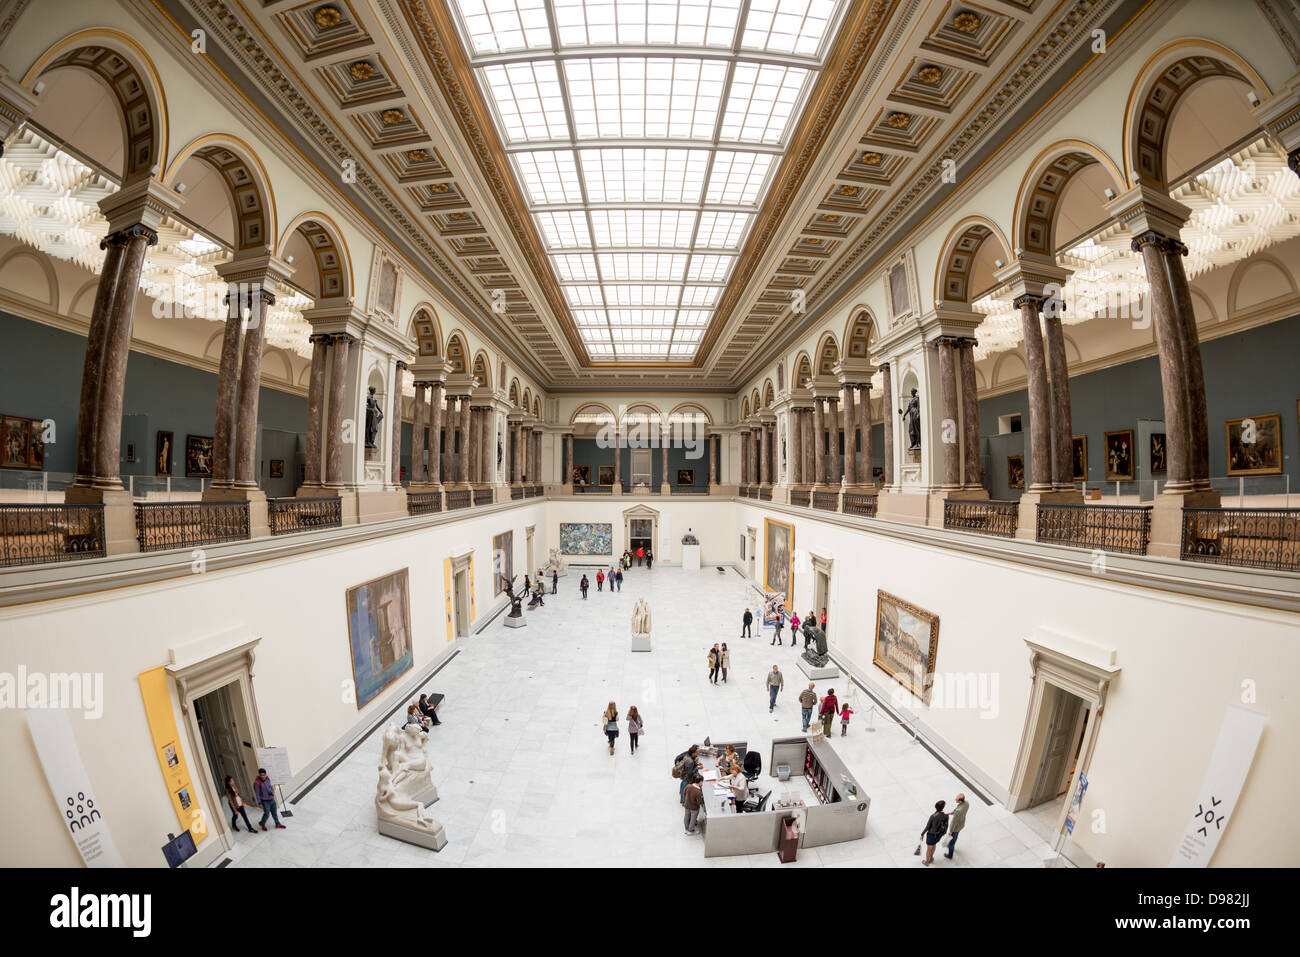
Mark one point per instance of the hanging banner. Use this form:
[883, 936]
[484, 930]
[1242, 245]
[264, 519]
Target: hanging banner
[446, 591]
[82, 814]
[171, 757]
[1217, 798]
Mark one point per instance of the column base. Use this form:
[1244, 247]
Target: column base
[780, 495]
[616, 490]
[1027, 515]
[1167, 519]
[119, 515]
[374, 505]
[906, 508]
[316, 491]
[728, 490]
[665, 489]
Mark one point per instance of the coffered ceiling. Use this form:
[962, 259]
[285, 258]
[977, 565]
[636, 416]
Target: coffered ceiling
[629, 194]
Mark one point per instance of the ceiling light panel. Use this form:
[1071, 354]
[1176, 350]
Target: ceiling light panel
[502, 26]
[655, 228]
[762, 102]
[564, 230]
[644, 175]
[789, 26]
[645, 98]
[737, 179]
[708, 23]
[550, 177]
[575, 267]
[528, 101]
[721, 230]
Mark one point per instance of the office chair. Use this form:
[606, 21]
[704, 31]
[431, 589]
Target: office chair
[752, 807]
[753, 765]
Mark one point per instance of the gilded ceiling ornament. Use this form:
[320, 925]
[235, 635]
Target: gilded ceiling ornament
[966, 22]
[830, 218]
[929, 74]
[459, 216]
[438, 188]
[847, 190]
[799, 261]
[361, 70]
[392, 117]
[418, 156]
[327, 17]
[813, 241]
[898, 120]
[872, 159]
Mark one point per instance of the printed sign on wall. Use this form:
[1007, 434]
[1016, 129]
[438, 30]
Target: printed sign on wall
[171, 757]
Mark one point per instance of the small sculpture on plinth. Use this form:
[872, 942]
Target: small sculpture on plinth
[553, 562]
[912, 422]
[374, 415]
[515, 618]
[689, 538]
[405, 786]
[818, 656]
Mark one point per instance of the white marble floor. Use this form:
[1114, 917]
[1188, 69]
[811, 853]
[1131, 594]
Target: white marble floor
[524, 772]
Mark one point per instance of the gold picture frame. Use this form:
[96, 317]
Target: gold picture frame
[902, 630]
[1263, 456]
[778, 559]
[1120, 455]
[1079, 458]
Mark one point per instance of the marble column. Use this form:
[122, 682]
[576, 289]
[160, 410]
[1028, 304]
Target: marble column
[435, 433]
[818, 438]
[794, 461]
[713, 460]
[949, 433]
[116, 350]
[1040, 445]
[970, 413]
[512, 429]
[537, 457]
[833, 427]
[466, 459]
[1198, 425]
[665, 439]
[1054, 342]
[850, 438]
[765, 456]
[887, 399]
[1173, 361]
[744, 457]
[93, 384]
[250, 387]
[806, 439]
[417, 435]
[223, 422]
[334, 435]
[568, 448]
[475, 442]
[449, 460]
[395, 453]
[865, 478]
[487, 456]
[618, 460]
[315, 405]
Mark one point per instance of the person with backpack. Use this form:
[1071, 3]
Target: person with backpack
[746, 620]
[609, 722]
[830, 708]
[584, 585]
[600, 580]
[266, 798]
[684, 767]
[634, 726]
[935, 828]
[640, 554]
[693, 800]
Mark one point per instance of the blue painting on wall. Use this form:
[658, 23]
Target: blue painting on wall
[379, 631]
[586, 538]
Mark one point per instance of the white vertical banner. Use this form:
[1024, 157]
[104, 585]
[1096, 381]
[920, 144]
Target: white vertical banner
[665, 536]
[82, 815]
[1217, 798]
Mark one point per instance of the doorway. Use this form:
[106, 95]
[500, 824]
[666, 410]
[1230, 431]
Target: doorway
[228, 743]
[821, 589]
[529, 567]
[1064, 718]
[461, 604]
[752, 535]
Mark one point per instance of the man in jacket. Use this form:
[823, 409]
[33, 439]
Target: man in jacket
[693, 800]
[956, 821]
[830, 708]
[266, 797]
[775, 682]
[746, 621]
[807, 701]
[690, 764]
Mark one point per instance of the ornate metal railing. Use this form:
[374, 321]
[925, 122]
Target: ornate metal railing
[482, 496]
[748, 491]
[826, 501]
[181, 524]
[1252, 537]
[1114, 528]
[801, 496]
[532, 491]
[423, 503]
[593, 489]
[288, 515]
[989, 517]
[457, 498]
[689, 489]
[765, 493]
[859, 503]
[516, 492]
[35, 534]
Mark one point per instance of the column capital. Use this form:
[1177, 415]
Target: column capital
[1147, 209]
[124, 236]
[16, 105]
[1029, 299]
[142, 201]
[401, 365]
[1032, 274]
[1150, 237]
[1280, 115]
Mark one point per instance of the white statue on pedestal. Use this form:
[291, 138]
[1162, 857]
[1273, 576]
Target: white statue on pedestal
[553, 562]
[405, 775]
[641, 617]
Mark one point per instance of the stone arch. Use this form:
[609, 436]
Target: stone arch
[502, 371]
[769, 394]
[483, 369]
[283, 357]
[424, 329]
[802, 371]
[1038, 201]
[694, 407]
[252, 201]
[514, 393]
[122, 64]
[1170, 72]
[330, 252]
[780, 376]
[592, 411]
[1269, 275]
[83, 300]
[39, 271]
[1007, 359]
[755, 403]
[828, 353]
[528, 399]
[859, 331]
[457, 354]
[744, 408]
[537, 406]
[954, 275]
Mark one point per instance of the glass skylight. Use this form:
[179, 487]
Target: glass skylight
[645, 134]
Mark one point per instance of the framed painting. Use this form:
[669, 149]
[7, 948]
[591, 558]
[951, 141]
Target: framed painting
[1157, 448]
[605, 474]
[162, 456]
[36, 445]
[1015, 471]
[503, 561]
[582, 475]
[586, 538]
[1254, 445]
[15, 442]
[686, 476]
[1119, 455]
[907, 643]
[379, 633]
[778, 558]
[277, 468]
[198, 456]
[1079, 458]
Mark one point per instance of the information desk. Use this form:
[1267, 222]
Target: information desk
[841, 815]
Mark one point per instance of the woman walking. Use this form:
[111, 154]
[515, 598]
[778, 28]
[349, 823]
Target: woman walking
[236, 806]
[794, 628]
[714, 663]
[618, 577]
[610, 721]
[609, 577]
[726, 662]
[584, 585]
[600, 580]
[830, 708]
[634, 726]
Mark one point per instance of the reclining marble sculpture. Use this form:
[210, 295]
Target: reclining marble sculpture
[405, 787]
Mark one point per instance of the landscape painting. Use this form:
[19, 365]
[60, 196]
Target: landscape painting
[586, 538]
[379, 633]
[907, 643]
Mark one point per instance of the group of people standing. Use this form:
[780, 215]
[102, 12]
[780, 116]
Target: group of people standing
[747, 620]
[827, 708]
[642, 554]
[719, 661]
[609, 724]
[943, 822]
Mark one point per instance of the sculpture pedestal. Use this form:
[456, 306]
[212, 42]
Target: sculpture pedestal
[513, 622]
[434, 841]
[814, 673]
[691, 558]
[641, 642]
[429, 796]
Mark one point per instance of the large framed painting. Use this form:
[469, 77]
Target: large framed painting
[1119, 455]
[1254, 445]
[586, 538]
[582, 475]
[379, 633]
[162, 458]
[907, 643]
[503, 561]
[1159, 460]
[198, 456]
[778, 559]
[1079, 458]
[605, 474]
[1015, 471]
[686, 476]
[15, 442]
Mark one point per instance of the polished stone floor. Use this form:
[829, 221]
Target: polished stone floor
[526, 779]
